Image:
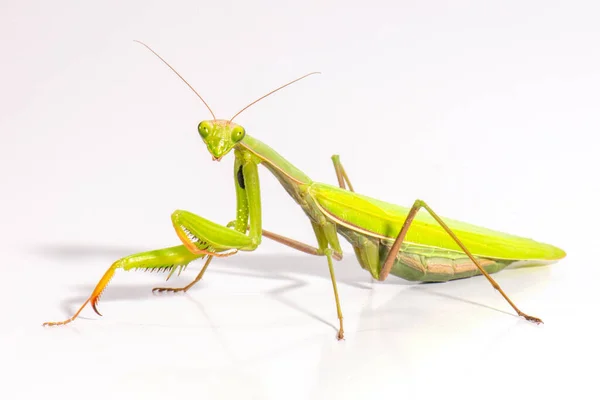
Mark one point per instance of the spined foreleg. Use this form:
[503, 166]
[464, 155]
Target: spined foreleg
[168, 259]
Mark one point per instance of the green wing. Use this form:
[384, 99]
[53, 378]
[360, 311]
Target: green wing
[384, 220]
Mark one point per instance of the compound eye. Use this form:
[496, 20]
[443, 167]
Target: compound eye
[203, 128]
[238, 133]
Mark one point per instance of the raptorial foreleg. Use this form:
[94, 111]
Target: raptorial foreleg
[169, 259]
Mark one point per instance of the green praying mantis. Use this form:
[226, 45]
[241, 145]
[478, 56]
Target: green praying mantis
[386, 238]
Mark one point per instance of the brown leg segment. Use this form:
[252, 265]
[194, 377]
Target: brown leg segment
[340, 172]
[323, 250]
[67, 320]
[294, 244]
[186, 288]
[389, 262]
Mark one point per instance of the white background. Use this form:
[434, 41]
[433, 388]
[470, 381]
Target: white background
[487, 112]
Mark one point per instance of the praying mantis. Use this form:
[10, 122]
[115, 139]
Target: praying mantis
[386, 238]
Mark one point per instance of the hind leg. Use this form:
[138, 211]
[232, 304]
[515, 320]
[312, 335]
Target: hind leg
[340, 172]
[389, 262]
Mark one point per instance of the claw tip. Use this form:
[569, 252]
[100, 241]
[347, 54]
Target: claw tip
[94, 302]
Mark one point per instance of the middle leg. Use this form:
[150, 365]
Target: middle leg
[294, 244]
[329, 244]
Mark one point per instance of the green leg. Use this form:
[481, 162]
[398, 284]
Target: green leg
[189, 225]
[328, 244]
[322, 238]
[201, 236]
[389, 262]
[322, 234]
[168, 259]
[328, 253]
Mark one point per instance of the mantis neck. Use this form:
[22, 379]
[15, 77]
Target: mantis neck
[279, 166]
[290, 177]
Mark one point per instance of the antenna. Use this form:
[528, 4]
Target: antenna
[173, 69]
[270, 93]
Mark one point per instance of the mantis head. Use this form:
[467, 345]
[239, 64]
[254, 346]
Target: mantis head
[220, 136]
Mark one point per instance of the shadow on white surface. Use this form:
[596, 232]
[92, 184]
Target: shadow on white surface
[294, 269]
[263, 325]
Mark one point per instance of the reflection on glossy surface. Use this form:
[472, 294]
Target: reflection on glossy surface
[264, 325]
